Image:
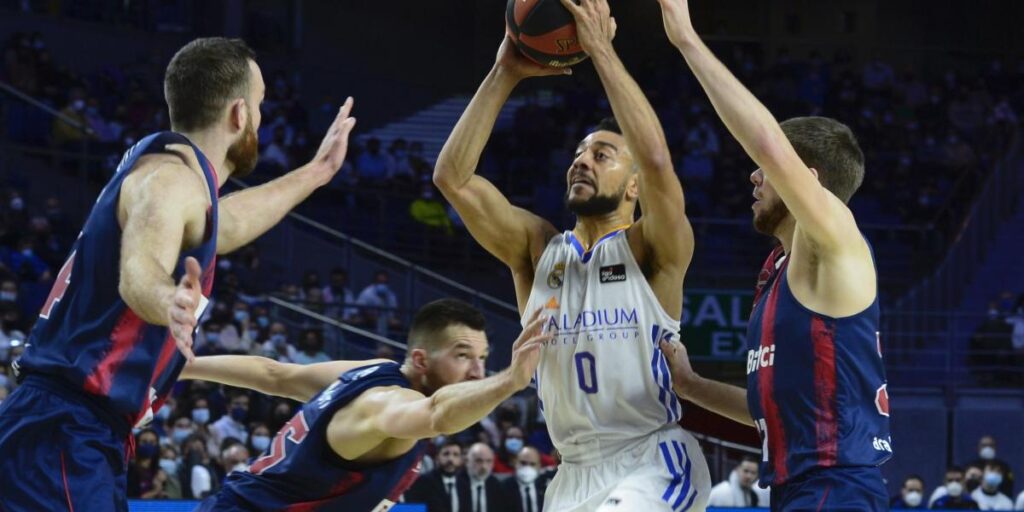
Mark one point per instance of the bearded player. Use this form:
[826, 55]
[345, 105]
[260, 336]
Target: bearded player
[816, 387]
[102, 355]
[613, 285]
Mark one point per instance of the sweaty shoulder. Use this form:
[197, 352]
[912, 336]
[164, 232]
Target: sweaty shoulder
[163, 179]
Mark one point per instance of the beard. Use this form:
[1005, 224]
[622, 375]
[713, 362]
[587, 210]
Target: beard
[596, 205]
[770, 218]
[243, 154]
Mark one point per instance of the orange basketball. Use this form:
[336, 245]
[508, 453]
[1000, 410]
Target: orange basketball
[544, 31]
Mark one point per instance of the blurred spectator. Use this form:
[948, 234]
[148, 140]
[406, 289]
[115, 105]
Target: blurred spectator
[952, 495]
[233, 457]
[399, 163]
[911, 494]
[525, 492]
[276, 153]
[277, 346]
[378, 304]
[988, 495]
[232, 424]
[145, 478]
[479, 490]
[196, 471]
[972, 476]
[429, 211]
[512, 441]
[438, 489]
[372, 165]
[1019, 504]
[989, 346]
[259, 441]
[169, 463]
[183, 428]
[311, 348]
[737, 491]
[987, 456]
[339, 295]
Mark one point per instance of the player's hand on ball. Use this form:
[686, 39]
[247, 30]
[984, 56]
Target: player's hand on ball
[182, 314]
[595, 27]
[334, 147]
[679, 365]
[510, 59]
[676, 16]
[526, 349]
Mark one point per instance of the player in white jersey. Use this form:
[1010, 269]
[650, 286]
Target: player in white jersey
[614, 287]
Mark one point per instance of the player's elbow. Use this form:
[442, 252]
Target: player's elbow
[443, 178]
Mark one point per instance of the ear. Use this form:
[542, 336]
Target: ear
[419, 360]
[239, 115]
[633, 187]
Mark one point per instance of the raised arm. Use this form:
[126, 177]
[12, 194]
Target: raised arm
[510, 233]
[665, 227]
[820, 215]
[406, 414]
[245, 215]
[270, 377]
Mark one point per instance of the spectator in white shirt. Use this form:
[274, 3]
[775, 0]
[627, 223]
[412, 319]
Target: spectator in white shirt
[378, 304]
[232, 424]
[987, 495]
[738, 490]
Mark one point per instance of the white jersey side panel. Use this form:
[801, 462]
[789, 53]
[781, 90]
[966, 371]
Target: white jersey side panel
[602, 381]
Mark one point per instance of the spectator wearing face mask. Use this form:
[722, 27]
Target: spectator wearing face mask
[479, 490]
[169, 463]
[987, 455]
[438, 489]
[738, 490]
[234, 456]
[232, 424]
[145, 478]
[196, 471]
[512, 441]
[525, 492]
[182, 429]
[952, 495]
[911, 494]
[259, 439]
[987, 495]
[277, 347]
[378, 304]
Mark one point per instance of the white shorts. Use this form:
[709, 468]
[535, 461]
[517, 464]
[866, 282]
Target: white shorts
[665, 472]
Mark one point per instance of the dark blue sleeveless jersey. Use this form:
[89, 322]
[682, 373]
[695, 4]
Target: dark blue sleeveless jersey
[300, 471]
[86, 334]
[815, 385]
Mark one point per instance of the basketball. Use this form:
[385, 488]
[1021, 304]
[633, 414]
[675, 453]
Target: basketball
[544, 31]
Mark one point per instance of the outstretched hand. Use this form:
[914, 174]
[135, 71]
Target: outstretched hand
[334, 147]
[676, 16]
[595, 26]
[182, 313]
[526, 349]
[511, 59]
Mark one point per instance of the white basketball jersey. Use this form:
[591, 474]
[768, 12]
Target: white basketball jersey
[602, 381]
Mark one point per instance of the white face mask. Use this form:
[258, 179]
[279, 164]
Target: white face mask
[912, 498]
[955, 489]
[526, 474]
[987, 453]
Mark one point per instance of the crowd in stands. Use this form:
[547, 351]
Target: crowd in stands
[996, 349]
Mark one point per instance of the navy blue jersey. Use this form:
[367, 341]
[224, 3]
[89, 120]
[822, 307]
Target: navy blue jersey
[300, 470]
[815, 385]
[87, 335]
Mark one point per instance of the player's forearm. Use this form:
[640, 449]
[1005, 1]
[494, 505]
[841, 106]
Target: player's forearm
[247, 214]
[721, 398]
[639, 123]
[458, 160]
[250, 372]
[749, 121]
[457, 407]
[147, 289]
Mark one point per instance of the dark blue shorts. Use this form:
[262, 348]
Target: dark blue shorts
[56, 454]
[857, 489]
[222, 502]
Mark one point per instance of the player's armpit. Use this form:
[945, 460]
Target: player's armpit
[508, 232]
[399, 413]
